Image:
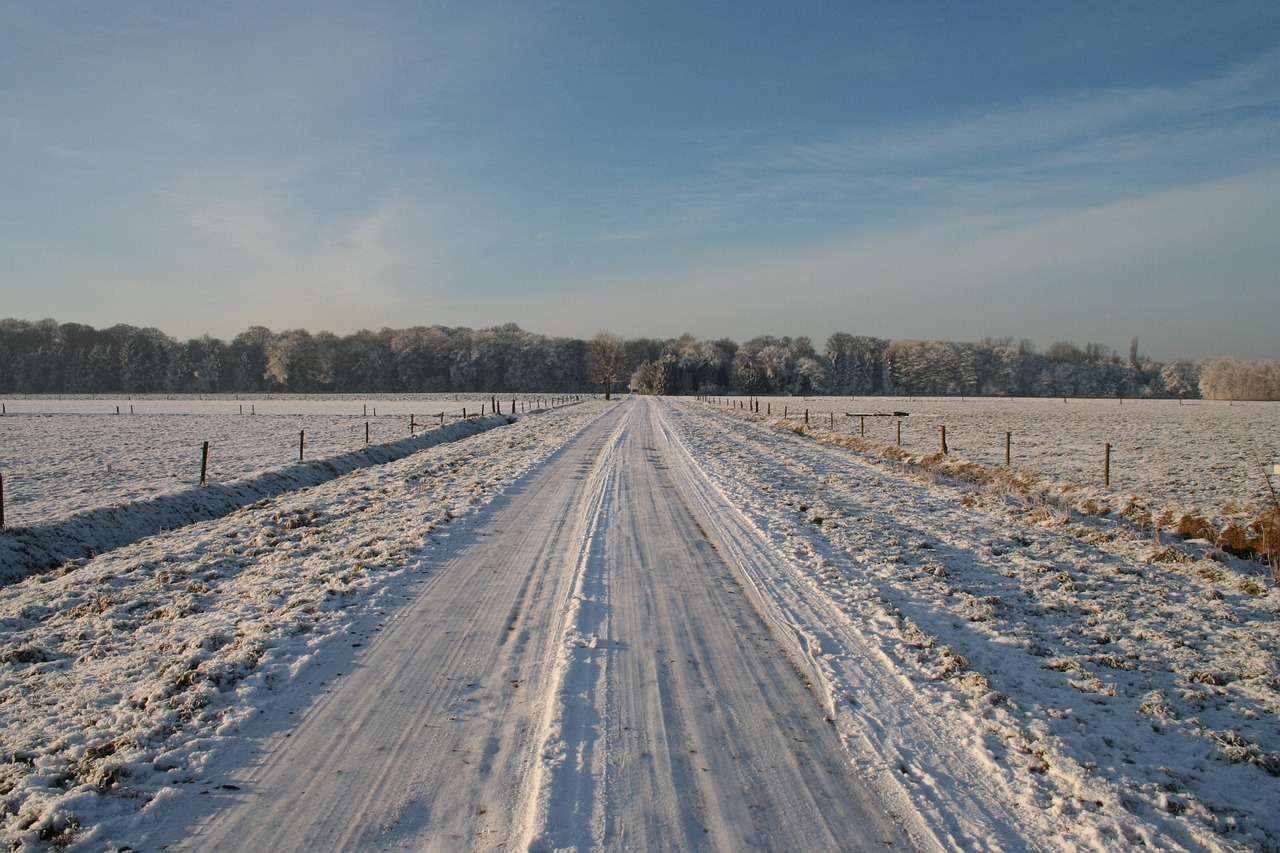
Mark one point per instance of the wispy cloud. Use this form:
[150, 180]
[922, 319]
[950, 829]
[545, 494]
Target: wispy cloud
[1056, 154]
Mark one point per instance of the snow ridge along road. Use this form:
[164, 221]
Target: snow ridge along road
[46, 546]
[585, 673]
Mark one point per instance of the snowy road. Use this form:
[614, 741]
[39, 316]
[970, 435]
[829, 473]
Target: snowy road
[584, 672]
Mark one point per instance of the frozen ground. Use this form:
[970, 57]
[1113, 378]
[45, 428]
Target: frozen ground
[1201, 457]
[65, 454]
[1001, 677]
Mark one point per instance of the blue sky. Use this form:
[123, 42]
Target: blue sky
[1050, 170]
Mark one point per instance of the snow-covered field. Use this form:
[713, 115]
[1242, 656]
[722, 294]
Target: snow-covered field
[1201, 457]
[61, 454]
[1026, 679]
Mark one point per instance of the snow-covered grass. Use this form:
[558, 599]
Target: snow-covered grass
[1169, 460]
[1105, 684]
[62, 455]
[119, 675]
[1121, 688]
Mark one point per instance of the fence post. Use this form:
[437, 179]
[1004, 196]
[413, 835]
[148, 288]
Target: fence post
[412, 425]
[899, 432]
[1, 501]
[833, 421]
[302, 442]
[366, 432]
[1106, 464]
[806, 417]
[944, 440]
[1008, 445]
[204, 462]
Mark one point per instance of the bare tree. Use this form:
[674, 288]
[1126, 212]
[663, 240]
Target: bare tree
[609, 360]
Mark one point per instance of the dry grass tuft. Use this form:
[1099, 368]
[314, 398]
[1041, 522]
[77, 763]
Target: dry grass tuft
[1195, 527]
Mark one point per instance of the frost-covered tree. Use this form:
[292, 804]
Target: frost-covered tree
[1180, 379]
[646, 378]
[1229, 379]
[609, 361]
[293, 362]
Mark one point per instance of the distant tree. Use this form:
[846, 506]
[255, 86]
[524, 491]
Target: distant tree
[608, 359]
[248, 356]
[646, 378]
[365, 361]
[1181, 379]
[1229, 379]
[206, 358]
[1065, 351]
[293, 363]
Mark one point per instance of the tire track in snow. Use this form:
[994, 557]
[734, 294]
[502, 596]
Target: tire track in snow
[679, 722]
[428, 744]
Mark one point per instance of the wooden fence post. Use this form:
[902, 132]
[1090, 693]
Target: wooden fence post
[302, 442]
[204, 463]
[366, 432]
[1106, 464]
[899, 432]
[944, 440]
[1, 501]
[1008, 447]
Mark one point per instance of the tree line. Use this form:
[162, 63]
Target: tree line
[69, 358]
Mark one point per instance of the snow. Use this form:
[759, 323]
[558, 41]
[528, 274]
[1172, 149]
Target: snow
[1202, 457]
[120, 674]
[62, 455]
[1119, 694]
[1009, 674]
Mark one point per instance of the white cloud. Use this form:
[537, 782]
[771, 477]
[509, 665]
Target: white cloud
[1051, 155]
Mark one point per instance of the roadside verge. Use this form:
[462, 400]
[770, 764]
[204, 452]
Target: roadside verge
[41, 548]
